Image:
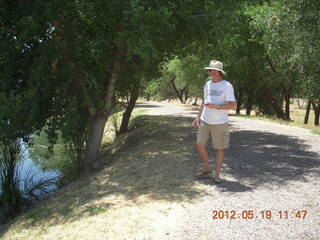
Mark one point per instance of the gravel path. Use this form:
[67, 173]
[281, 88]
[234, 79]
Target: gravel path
[268, 168]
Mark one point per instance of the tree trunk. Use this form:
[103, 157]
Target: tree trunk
[238, 108]
[276, 107]
[186, 94]
[287, 103]
[249, 105]
[239, 103]
[248, 109]
[306, 116]
[316, 117]
[195, 102]
[100, 117]
[93, 142]
[316, 109]
[176, 90]
[127, 114]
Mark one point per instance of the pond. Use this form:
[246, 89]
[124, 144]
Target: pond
[28, 167]
[33, 179]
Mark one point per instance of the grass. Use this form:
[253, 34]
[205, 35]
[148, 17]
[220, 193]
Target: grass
[297, 117]
[312, 128]
[113, 124]
[95, 210]
[129, 199]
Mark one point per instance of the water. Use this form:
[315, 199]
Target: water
[30, 174]
[28, 169]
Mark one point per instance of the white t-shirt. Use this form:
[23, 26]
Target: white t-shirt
[218, 94]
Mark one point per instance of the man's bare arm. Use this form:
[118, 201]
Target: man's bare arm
[227, 106]
[196, 122]
[200, 110]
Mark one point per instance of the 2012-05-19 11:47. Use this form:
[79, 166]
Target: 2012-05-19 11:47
[263, 214]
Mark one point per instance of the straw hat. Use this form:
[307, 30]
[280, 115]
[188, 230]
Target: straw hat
[216, 65]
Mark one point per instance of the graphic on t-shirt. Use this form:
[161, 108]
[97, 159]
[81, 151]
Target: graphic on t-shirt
[215, 92]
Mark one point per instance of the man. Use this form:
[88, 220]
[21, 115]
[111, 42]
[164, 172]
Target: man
[212, 119]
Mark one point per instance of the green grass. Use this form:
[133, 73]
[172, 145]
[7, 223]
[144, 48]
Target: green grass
[113, 124]
[316, 131]
[95, 210]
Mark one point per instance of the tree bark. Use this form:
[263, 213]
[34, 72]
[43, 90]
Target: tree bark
[195, 102]
[239, 103]
[287, 104]
[316, 109]
[100, 117]
[97, 124]
[249, 105]
[306, 116]
[238, 108]
[127, 114]
[285, 115]
[278, 109]
[316, 117]
[176, 90]
[186, 94]
[248, 109]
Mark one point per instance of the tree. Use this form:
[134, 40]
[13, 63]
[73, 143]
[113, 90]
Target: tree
[308, 52]
[291, 42]
[84, 50]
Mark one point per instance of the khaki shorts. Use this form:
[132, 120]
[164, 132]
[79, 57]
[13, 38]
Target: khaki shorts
[219, 134]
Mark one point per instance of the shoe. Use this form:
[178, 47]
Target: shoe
[205, 174]
[217, 180]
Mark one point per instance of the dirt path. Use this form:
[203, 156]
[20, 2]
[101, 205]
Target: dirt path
[269, 167]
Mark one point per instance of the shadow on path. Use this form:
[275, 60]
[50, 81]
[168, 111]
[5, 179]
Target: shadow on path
[261, 157]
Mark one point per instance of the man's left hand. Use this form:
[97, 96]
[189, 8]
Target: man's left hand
[211, 105]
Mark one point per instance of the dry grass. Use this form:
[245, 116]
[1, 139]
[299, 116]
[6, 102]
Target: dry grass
[153, 173]
[297, 117]
[113, 124]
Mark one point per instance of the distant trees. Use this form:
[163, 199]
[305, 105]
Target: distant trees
[180, 78]
[270, 51]
[289, 33]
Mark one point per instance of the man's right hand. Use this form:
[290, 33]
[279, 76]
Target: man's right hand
[196, 122]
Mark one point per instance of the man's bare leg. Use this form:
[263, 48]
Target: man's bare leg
[204, 156]
[219, 161]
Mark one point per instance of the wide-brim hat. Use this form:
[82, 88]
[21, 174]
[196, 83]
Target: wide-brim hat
[215, 65]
